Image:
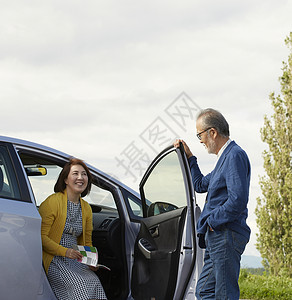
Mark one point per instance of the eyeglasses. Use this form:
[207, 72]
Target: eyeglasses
[199, 134]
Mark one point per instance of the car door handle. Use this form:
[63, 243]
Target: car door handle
[145, 247]
[154, 231]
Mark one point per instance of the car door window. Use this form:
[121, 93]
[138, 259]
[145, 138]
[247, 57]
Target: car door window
[99, 196]
[8, 183]
[165, 187]
[43, 184]
[136, 207]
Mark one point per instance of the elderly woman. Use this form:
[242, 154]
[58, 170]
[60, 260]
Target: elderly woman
[67, 221]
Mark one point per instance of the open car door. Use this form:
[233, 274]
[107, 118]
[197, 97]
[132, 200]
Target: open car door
[166, 247]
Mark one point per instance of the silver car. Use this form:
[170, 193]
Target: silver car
[148, 241]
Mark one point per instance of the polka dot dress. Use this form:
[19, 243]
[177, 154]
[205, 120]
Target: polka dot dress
[69, 279]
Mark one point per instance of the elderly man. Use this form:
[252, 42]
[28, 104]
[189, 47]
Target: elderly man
[222, 227]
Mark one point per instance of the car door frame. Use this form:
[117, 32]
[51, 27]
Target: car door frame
[189, 243]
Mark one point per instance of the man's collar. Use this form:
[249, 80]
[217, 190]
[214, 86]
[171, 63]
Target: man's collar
[223, 148]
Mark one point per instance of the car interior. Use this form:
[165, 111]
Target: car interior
[8, 182]
[108, 231]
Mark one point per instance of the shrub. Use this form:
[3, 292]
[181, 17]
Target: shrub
[264, 286]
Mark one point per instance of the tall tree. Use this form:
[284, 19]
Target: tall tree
[274, 208]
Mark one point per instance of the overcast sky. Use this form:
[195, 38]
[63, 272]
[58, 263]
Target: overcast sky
[97, 79]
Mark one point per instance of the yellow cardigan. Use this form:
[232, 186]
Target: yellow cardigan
[54, 212]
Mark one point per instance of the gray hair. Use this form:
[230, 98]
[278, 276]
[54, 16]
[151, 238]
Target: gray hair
[212, 118]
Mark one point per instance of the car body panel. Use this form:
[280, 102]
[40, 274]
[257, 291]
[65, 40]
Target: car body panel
[20, 247]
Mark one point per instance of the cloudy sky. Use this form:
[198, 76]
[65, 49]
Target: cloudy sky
[97, 79]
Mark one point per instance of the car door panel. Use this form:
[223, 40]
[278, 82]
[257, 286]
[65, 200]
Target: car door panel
[161, 227]
[20, 226]
[157, 253]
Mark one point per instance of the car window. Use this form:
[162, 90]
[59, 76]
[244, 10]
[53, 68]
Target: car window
[135, 207]
[133, 203]
[99, 196]
[165, 186]
[8, 183]
[43, 184]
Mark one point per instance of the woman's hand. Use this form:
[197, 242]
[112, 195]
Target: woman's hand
[187, 149]
[73, 254]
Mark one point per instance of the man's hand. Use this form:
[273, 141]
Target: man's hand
[187, 149]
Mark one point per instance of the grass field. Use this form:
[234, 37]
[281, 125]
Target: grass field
[255, 284]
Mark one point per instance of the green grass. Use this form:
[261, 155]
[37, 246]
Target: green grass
[254, 286]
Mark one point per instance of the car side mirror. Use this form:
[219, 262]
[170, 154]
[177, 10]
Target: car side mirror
[36, 171]
[158, 208]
